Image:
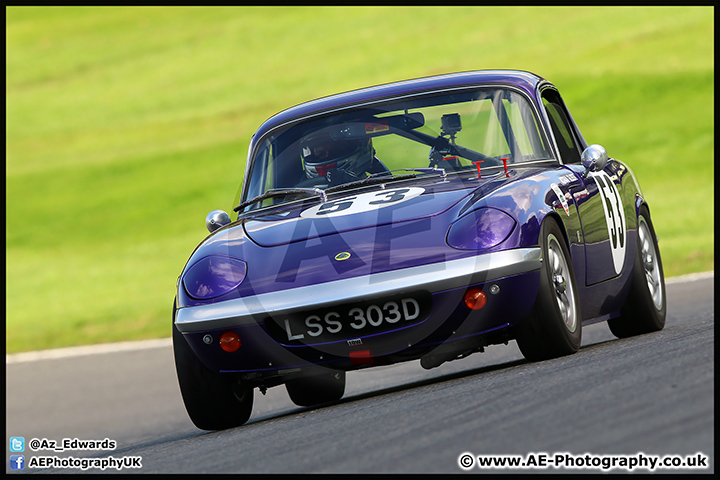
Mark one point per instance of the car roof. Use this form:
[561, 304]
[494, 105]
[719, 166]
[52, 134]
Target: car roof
[521, 79]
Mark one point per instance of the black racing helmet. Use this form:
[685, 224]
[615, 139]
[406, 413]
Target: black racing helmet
[321, 153]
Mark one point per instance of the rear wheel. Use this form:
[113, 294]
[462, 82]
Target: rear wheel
[553, 328]
[644, 310]
[213, 401]
[317, 389]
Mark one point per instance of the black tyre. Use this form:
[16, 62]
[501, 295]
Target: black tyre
[644, 310]
[554, 326]
[317, 389]
[213, 401]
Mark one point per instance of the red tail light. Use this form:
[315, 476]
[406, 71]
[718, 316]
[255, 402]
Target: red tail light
[362, 357]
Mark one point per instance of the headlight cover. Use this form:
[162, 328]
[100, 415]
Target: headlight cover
[480, 229]
[213, 276]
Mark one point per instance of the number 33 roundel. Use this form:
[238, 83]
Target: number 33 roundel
[614, 216]
[362, 203]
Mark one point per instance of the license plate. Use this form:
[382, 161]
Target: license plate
[350, 321]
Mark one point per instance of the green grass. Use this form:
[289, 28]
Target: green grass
[125, 126]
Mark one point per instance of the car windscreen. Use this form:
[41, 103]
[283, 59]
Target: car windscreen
[455, 131]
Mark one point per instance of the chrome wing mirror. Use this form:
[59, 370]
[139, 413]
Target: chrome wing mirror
[594, 158]
[216, 219]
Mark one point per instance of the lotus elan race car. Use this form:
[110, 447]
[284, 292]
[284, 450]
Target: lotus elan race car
[418, 220]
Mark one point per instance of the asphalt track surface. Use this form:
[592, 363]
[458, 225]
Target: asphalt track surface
[651, 394]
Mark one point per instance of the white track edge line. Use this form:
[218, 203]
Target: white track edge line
[86, 350]
[690, 277]
[167, 342]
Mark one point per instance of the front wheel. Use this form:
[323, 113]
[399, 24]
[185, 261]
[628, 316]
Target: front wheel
[213, 401]
[644, 310]
[554, 326]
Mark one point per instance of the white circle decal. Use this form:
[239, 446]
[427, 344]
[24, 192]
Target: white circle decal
[362, 203]
[614, 217]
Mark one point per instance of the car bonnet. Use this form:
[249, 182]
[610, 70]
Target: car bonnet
[354, 210]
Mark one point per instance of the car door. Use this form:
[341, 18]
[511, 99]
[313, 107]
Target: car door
[599, 197]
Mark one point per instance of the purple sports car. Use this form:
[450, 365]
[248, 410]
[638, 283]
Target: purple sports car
[417, 220]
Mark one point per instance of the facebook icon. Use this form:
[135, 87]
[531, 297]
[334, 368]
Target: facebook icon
[17, 462]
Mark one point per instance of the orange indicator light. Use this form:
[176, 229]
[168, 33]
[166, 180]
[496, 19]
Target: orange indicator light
[230, 341]
[475, 299]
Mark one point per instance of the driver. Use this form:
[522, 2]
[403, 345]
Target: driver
[339, 161]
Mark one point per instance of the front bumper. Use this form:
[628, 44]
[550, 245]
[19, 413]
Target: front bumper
[514, 272]
[431, 277]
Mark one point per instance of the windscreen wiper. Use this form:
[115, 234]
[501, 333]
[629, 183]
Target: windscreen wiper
[278, 192]
[441, 171]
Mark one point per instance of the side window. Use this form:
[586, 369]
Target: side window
[562, 131]
[525, 129]
[258, 178]
[285, 167]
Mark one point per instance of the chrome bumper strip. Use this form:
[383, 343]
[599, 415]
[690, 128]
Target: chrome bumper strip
[444, 275]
